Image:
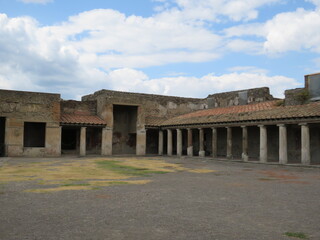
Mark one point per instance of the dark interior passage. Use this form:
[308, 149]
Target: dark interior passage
[70, 139]
[152, 141]
[93, 140]
[124, 139]
[2, 136]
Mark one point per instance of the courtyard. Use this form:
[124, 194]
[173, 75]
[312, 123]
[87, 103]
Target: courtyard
[156, 198]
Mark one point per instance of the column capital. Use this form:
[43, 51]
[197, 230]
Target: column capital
[261, 126]
[227, 127]
[213, 128]
[281, 125]
[244, 126]
[303, 124]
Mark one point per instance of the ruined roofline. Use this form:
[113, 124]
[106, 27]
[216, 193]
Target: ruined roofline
[104, 91]
[30, 92]
[240, 90]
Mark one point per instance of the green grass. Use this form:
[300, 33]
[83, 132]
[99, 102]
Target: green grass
[75, 184]
[126, 170]
[300, 235]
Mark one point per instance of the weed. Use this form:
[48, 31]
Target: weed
[300, 235]
[125, 169]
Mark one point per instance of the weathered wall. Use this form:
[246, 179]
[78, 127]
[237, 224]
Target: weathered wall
[241, 97]
[296, 96]
[19, 107]
[149, 106]
[79, 107]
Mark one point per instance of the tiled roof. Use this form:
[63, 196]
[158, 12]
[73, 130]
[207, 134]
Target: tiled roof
[253, 112]
[76, 119]
[154, 121]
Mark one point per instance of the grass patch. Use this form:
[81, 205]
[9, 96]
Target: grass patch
[125, 169]
[300, 235]
[75, 184]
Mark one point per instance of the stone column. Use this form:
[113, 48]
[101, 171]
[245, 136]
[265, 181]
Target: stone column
[263, 144]
[83, 141]
[229, 142]
[141, 142]
[305, 144]
[169, 142]
[106, 144]
[244, 155]
[214, 143]
[190, 144]
[160, 143]
[283, 152]
[179, 142]
[201, 143]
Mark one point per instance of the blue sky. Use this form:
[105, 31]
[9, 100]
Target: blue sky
[174, 47]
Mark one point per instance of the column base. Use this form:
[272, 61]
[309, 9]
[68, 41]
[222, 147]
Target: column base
[190, 151]
[202, 153]
[245, 157]
[262, 160]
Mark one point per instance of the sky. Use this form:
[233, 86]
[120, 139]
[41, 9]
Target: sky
[188, 48]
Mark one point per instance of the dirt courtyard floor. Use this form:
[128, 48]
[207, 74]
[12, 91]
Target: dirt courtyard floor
[98, 198]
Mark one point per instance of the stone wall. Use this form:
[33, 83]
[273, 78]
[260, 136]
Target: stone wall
[20, 107]
[154, 105]
[149, 106]
[296, 96]
[241, 97]
[79, 107]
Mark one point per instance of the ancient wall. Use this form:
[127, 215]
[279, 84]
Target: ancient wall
[79, 107]
[241, 97]
[296, 96]
[20, 107]
[148, 107]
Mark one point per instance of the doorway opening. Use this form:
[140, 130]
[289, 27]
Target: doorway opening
[124, 138]
[2, 136]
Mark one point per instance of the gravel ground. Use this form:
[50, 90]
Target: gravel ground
[237, 201]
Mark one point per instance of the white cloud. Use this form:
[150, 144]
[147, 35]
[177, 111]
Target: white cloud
[293, 31]
[36, 1]
[137, 81]
[216, 10]
[288, 31]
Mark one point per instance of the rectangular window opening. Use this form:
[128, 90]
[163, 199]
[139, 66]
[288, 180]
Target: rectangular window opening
[34, 134]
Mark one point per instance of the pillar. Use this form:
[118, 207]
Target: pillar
[169, 142]
[214, 143]
[190, 144]
[106, 144]
[263, 144]
[229, 142]
[201, 143]
[179, 142]
[305, 144]
[160, 143]
[83, 141]
[141, 142]
[283, 151]
[244, 154]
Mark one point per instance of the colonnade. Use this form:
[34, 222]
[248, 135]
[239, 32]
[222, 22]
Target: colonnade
[263, 143]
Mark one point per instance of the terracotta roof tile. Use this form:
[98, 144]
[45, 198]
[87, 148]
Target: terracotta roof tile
[81, 119]
[253, 112]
